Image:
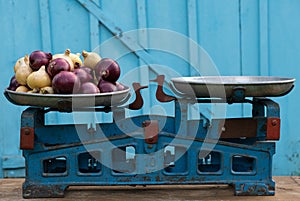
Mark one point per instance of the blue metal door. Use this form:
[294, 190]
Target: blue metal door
[243, 37]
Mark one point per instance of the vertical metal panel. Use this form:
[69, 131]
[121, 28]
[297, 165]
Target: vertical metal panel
[162, 15]
[143, 41]
[264, 37]
[219, 33]
[69, 26]
[45, 25]
[7, 60]
[250, 41]
[193, 52]
[192, 34]
[284, 31]
[114, 29]
[18, 37]
[94, 30]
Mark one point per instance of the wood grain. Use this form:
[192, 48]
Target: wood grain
[287, 188]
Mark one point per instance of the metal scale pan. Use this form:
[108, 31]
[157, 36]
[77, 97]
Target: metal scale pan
[61, 100]
[219, 86]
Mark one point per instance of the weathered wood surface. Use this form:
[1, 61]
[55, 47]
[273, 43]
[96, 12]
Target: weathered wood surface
[287, 189]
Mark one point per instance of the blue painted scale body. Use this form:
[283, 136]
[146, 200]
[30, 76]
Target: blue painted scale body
[117, 153]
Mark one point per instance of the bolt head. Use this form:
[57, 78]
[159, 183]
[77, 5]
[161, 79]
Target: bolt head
[274, 122]
[27, 131]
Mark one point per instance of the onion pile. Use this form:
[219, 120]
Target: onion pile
[65, 73]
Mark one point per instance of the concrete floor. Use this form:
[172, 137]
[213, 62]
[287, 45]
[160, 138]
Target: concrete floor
[287, 189]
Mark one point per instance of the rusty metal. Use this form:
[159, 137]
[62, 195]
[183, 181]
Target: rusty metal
[43, 191]
[253, 189]
[240, 127]
[27, 138]
[151, 131]
[138, 102]
[273, 128]
[161, 96]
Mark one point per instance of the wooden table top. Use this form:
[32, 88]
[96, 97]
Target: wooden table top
[287, 189]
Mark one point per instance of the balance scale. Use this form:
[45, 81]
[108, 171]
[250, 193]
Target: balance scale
[154, 149]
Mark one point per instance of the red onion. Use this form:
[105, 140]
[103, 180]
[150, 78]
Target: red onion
[88, 70]
[106, 86]
[108, 70]
[83, 75]
[13, 84]
[120, 87]
[38, 59]
[89, 88]
[66, 82]
[57, 65]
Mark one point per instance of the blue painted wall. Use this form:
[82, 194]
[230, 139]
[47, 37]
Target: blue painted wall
[243, 37]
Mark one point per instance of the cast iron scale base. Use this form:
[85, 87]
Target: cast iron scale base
[152, 150]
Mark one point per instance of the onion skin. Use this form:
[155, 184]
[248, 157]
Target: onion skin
[33, 91]
[38, 59]
[46, 90]
[108, 70]
[21, 62]
[66, 56]
[90, 59]
[66, 82]
[76, 59]
[106, 86]
[88, 70]
[120, 87]
[22, 74]
[89, 88]
[91, 72]
[22, 89]
[57, 65]
[39, 79]
[13, 84]
[83, 75]
[22, 70]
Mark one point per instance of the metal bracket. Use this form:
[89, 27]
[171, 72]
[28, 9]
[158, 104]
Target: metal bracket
[138, 102]
[161, 96]
[31, 117]
[64, 105]
[272, 114]
[273, 109]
